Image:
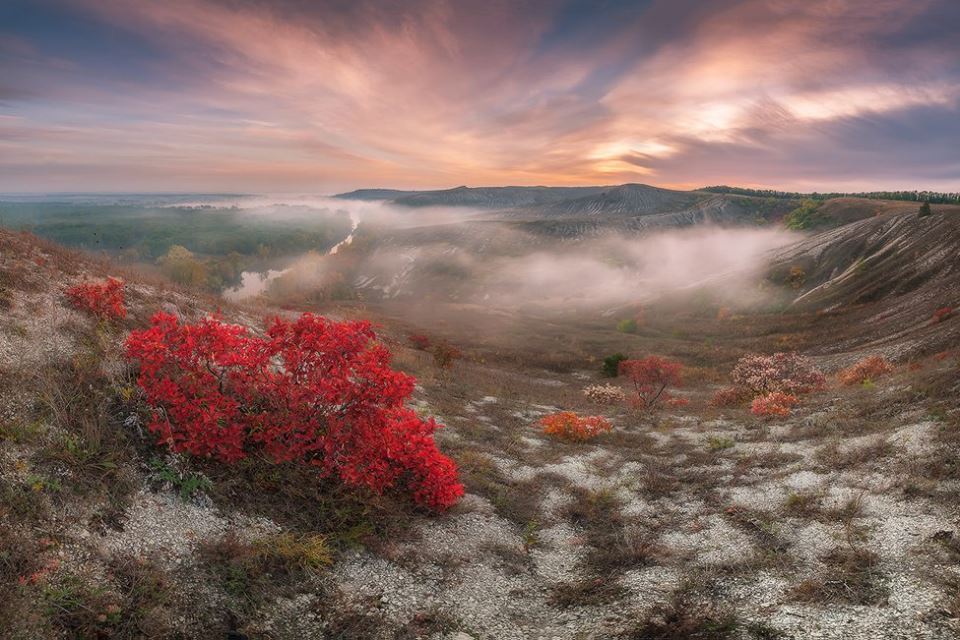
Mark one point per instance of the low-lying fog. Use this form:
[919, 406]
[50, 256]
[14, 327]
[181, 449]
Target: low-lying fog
[468, 256]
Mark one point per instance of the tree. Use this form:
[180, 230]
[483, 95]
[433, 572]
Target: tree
[181, 266]
[925, 209]
[806, 216]
[651, 377]
[312, 391]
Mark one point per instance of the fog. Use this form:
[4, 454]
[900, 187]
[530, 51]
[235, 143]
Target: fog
[469, 256]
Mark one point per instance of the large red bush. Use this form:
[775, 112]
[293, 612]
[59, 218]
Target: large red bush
[310, 390]
[651, 377]
[104, 299]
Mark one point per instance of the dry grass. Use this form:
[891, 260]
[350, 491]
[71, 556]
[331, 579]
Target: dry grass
[586, 592]
[850, 575]
[684, 618]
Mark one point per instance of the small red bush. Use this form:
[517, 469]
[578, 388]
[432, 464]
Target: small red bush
[570, 426]
[869, 368]
[942, 314]
[787, 372]
[730, 397]
[419, 341]
[104, 299]
[775, 403]
[445, 354]
[651, 377]
[311, 390]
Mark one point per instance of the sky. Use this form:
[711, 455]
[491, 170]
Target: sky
[320, 96]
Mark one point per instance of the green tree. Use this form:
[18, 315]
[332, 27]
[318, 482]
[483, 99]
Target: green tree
[806, 216]
[925, 209]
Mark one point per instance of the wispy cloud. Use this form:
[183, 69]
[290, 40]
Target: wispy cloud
[290, 95]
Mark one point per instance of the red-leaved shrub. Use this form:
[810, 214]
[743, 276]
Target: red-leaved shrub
[311, 390]
[730, 396]
[419, 341]
[651, 377]
[775, 403]
[445, 354]
[570, 426]
[942, 314]
[790, 373]
[869, 368]
[103, 299]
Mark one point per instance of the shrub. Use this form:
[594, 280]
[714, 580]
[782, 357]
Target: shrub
[311, 390]
[796, 277]
[104, 300]
[730, 397]
[628, 325]
[419, 341]
[611, 365]
[775, 403]
[444, 355]
[942, 314]
[570, 426]
[924, 209]
[869, 368]
[651, 377]
[605, 393]
[787, 372]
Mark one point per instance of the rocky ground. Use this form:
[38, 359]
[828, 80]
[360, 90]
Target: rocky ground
[841, 521]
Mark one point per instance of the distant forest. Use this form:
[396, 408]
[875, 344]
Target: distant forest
[933, 197]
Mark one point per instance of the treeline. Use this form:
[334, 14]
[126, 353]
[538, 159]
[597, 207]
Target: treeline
[933, 197]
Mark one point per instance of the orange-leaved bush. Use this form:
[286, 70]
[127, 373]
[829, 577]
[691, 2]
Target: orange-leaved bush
[775, 403]
[651, 377]
[869, 368]
[570, 426]
[310, 390]
[104, 299]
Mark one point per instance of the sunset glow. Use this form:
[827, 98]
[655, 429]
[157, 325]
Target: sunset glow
[246, 95]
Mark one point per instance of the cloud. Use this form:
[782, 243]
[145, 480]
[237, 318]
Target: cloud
[296, 95]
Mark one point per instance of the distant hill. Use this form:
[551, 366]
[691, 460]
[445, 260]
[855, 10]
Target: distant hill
[478, 197]
[607, 202]
[374, 194]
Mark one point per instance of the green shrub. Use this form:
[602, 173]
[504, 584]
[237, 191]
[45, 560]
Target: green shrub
[628, 325]
[611, 365]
